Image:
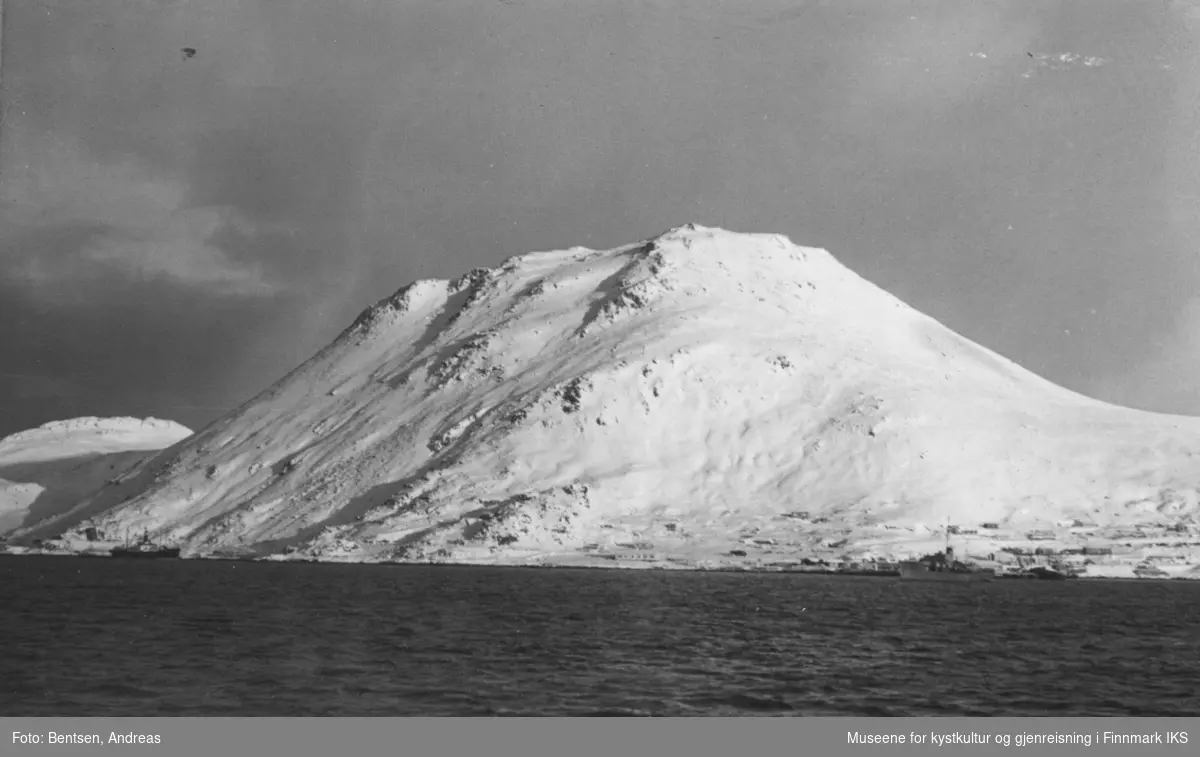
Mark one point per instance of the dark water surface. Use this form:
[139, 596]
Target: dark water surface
[111, 637]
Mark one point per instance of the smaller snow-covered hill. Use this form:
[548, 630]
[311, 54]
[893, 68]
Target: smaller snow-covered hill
[48, 470]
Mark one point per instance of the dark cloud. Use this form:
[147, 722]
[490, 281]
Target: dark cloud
[161, 222]
[286, 157]
[115, 347]
[176, 232]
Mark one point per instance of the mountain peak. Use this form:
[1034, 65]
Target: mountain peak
[691, 392]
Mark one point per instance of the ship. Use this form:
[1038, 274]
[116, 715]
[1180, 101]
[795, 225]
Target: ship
[1046, 573]
[1054, 572]
[939, 568]
[942, 566]
[1146, 570]
[144, 549]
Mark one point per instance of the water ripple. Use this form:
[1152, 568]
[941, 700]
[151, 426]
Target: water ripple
[209, 638]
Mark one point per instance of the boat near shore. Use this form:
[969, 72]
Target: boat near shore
[144, 549]
[942, 566]
[952, 571]
[1146, 570]
[1040, 573]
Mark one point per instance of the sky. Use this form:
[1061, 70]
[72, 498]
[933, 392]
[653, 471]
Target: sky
[178, 232]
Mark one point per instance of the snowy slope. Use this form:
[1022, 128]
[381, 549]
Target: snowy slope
[47, 470]
[674, 398]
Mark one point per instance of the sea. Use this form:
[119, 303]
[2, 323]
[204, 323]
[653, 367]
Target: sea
[102, 637]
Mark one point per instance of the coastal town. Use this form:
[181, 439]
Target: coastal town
[1070, 550]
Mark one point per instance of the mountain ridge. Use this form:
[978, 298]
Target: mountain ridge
[566, 402]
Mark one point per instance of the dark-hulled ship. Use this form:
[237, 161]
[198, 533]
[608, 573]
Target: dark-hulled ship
[942, 566]
[145, 549]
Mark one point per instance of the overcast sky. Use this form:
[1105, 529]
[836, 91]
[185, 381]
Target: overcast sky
[178, 232]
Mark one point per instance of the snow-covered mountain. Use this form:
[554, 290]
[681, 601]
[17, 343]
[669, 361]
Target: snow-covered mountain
[675, 399]
[49, 469]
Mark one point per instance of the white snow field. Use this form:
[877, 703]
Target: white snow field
[664, 403]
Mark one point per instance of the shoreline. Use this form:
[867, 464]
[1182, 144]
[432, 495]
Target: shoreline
[610, 566]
